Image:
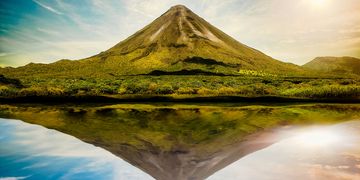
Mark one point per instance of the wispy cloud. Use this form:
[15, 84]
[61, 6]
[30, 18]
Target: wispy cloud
[13, 178]
[3, 54]
[49, 8]
[140, 12]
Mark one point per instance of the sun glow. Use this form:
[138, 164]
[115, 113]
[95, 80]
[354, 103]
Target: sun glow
[319, 3]
[319, 137]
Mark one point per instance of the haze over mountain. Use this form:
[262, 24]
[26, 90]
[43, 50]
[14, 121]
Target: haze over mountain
[338, 65]
[178, 42]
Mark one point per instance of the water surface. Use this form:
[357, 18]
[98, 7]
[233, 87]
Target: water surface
[33, 152]
[187, 141]
[318, 152]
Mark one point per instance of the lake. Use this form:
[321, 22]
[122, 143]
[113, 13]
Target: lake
[180, 141]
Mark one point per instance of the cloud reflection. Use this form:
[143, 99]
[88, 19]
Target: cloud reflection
[32, 150]
[327, 152]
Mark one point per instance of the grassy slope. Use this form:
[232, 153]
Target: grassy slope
[339, 65]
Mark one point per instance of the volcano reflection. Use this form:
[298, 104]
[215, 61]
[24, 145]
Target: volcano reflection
[177, 141]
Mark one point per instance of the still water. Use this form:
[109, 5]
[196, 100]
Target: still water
[180, 141]
[33, 152]
[320, 152]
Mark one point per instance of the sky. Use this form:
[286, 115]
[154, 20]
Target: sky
[44, 31]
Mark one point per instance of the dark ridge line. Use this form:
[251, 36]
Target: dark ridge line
[185, 72]
[10, 81]
[204, 61]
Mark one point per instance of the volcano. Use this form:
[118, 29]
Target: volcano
[178, 42]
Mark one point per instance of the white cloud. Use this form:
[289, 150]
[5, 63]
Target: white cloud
[49, 8]
[48, 31]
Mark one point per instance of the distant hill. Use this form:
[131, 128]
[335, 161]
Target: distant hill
[178, 42]
[337, 65]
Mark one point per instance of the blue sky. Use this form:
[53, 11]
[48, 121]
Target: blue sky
[292, 31]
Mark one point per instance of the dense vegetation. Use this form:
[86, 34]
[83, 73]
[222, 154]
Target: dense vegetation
[259, 84]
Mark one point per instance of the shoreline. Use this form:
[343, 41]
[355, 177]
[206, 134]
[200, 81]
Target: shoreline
[171, 99]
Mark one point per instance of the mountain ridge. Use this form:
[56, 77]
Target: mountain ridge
[338, 65]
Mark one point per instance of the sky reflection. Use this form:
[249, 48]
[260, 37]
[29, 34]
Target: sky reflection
[33, 152]
[327, 152]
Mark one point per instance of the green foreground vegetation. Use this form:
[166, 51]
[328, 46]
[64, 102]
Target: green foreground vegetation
[179, 86]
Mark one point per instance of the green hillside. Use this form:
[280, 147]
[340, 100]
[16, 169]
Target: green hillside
[337, 65]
